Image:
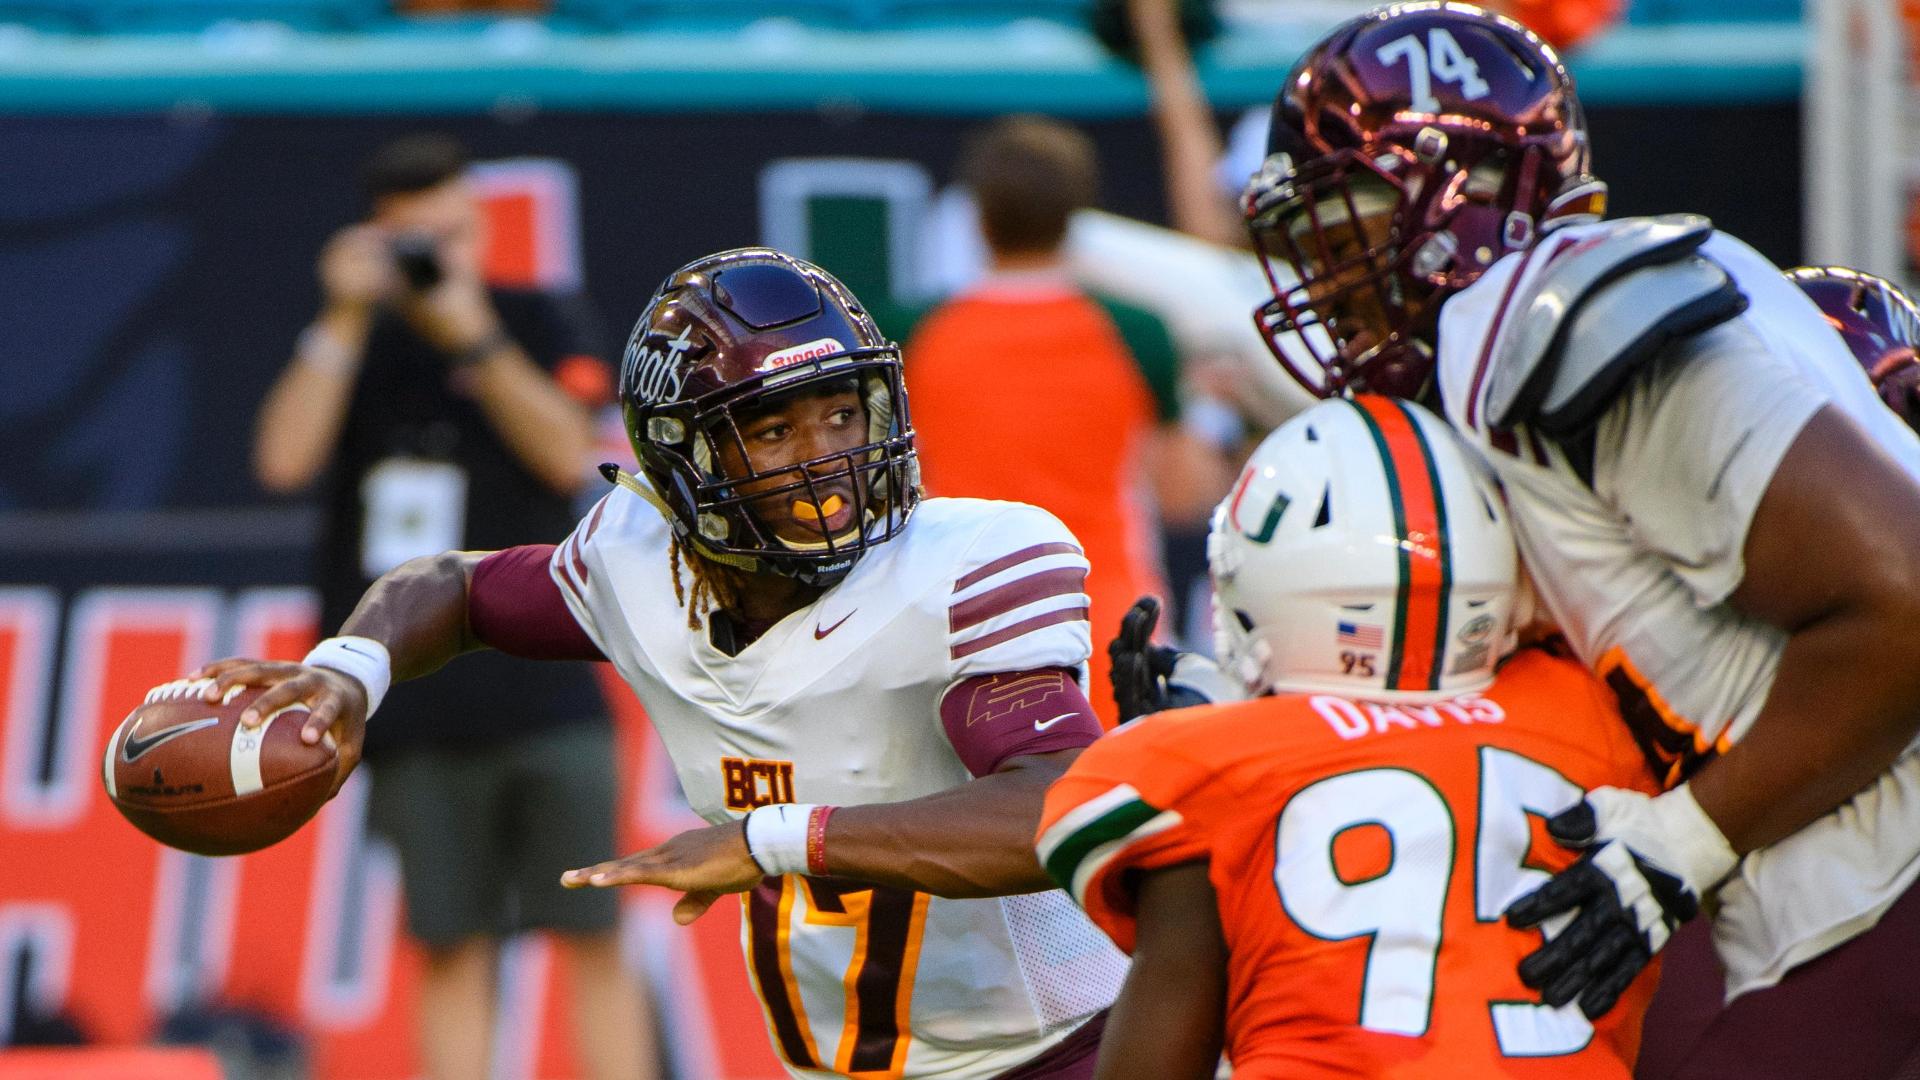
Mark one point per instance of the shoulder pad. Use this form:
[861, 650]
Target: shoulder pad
[1598, 311]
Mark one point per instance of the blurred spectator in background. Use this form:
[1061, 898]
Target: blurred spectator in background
[416, 386]
[1204, 175]
[1027, 388]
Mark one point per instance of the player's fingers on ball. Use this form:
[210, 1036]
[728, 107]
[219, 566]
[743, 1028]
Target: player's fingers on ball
[250, 673]
[323, 714]
[267, 704]
[219, 667]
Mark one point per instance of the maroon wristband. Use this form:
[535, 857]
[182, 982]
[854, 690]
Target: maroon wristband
[817, 841]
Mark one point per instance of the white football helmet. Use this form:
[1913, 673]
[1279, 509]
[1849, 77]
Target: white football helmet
[1363, 552]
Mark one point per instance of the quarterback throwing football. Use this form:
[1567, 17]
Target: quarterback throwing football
[867, 693]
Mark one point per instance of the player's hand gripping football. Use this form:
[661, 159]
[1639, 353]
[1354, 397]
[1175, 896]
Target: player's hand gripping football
[705, 864]
[1150, 678]
[335, 702]
[1645, 863]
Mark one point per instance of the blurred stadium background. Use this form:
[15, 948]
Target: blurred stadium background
[168, 168]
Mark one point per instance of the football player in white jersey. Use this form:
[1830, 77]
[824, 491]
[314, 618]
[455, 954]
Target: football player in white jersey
[1714, 506]
[866, 692]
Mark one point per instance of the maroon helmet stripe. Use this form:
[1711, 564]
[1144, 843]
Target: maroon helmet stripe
[1015, 594]
[1019, 629]
[979, 574]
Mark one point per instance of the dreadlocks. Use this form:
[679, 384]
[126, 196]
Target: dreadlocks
[714, 586]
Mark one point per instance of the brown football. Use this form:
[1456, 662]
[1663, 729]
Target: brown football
[185, 772]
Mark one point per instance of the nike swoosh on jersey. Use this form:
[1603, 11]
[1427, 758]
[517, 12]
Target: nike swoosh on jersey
[818, 633]
[136, 745]
[1042, 725]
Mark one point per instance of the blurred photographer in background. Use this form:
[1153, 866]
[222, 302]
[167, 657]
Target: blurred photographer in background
[416, 386]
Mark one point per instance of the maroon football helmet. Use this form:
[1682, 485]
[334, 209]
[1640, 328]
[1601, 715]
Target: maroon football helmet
[1411, 148]
[1879, 322]
[734, 332]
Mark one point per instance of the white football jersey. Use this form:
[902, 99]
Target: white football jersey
[1635, 567]
[838, 703]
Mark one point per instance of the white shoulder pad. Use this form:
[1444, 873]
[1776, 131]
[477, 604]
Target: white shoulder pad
[1599, 310]
[1019, 597]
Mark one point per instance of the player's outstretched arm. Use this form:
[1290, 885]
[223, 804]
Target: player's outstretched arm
[1169, 1021]
[973, 840]
[1015, 731]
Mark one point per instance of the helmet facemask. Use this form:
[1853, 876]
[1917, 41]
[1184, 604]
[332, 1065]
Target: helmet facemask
[1360, 248]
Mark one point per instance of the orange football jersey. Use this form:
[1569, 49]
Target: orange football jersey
[1362, 854]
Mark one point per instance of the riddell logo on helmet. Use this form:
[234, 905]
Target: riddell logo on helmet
[812, 350]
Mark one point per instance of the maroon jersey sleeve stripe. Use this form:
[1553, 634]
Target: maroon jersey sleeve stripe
[1028, 554]
[1019, 629]
[514, 605]
[995, 602]
[990, 719]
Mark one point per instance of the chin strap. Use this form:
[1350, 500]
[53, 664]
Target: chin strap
[621, 478]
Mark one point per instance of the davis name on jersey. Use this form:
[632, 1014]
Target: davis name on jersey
[1362, 854]
[1634, 536]
[839, 703]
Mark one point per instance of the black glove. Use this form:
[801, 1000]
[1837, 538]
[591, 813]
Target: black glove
[1139, 667]
[1627, 893]
[1141, 670]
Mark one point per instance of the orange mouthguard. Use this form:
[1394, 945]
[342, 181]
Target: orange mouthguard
[828, 507]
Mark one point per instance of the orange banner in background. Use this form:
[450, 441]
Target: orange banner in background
[118, 931]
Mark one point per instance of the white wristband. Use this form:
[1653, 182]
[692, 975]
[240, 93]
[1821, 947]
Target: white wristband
[777, 837]
[362, 658]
